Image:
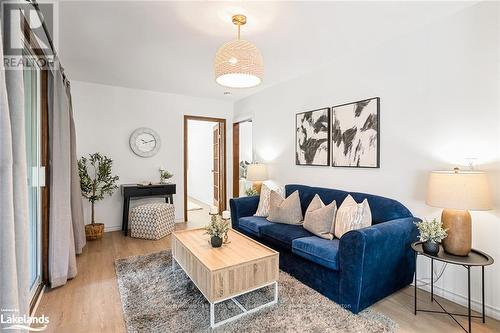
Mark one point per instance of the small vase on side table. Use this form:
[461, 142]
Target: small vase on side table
[431, 248]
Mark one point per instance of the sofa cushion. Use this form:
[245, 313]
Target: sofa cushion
[324, 252]
[253, 224]
[265, 193]
[382, 209]
[352, 216]
[320, 219]
[283, 210]
[283, 234]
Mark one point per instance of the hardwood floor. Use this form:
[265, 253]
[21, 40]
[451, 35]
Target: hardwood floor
[91, 303]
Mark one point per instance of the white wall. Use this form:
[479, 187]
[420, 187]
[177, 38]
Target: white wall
[246, 148]
[439, 90]
[105, 116]
[200, 161]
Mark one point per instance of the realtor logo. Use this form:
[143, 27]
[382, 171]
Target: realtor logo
[16, 15]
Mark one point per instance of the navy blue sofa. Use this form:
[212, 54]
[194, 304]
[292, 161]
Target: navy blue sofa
[355, 271]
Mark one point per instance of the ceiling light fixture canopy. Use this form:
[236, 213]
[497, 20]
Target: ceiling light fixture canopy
[238, 63]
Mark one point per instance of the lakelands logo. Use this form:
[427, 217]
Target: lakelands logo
[34, 324]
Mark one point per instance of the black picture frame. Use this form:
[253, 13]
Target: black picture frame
[334, 135]
[300, 161]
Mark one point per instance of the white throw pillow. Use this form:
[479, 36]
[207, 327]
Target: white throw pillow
[283, 210]
[352, 216]
[265, 193]
[320, 218]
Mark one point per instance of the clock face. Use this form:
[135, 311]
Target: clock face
[145, 142]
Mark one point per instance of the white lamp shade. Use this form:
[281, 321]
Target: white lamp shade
[256, 172]
[463, 190]
[238, 64]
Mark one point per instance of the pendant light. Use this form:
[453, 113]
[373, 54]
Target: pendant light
[238, 63]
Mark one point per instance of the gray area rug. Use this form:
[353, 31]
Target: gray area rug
[157, 299]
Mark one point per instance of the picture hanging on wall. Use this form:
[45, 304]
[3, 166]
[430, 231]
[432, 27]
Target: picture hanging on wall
[312, 137]
[355, 134]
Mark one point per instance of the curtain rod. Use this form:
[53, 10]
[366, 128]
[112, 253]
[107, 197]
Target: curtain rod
[49, 37]
[44, 26]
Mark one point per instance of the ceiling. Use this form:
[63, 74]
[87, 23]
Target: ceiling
[170, 46]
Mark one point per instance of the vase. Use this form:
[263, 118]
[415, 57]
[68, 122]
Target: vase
[216, 241]
[430, 248]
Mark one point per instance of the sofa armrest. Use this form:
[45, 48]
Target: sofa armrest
[241, 207]
[375, 262]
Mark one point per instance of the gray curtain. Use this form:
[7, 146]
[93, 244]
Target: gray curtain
[76, 194]
[14, 283]
[67, 234]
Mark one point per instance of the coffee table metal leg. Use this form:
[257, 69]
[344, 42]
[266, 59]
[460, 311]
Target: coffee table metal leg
[212, 315]
[244, 312]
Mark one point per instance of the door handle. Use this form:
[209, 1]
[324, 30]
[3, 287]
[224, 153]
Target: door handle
[41, 176]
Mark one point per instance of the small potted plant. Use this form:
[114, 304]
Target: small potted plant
[96, 181]
[217, 229]
[165, 175]
[431, 235]
[251, 191]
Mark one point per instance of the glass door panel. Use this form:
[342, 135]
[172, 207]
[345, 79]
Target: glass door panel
[31, 76]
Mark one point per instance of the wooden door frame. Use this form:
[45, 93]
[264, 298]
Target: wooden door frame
[236, 160]
[236, 156]
[223, 193]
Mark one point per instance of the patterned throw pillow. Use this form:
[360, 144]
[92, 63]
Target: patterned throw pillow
[320, 218]
[283, 210]
[265, 193]
[352, 216]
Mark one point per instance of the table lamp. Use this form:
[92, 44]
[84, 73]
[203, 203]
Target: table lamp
[256, 173]
[458, 192]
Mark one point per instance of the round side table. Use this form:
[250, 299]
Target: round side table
[474, 259]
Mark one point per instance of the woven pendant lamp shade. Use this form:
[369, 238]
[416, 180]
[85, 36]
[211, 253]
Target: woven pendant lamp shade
[238, 64]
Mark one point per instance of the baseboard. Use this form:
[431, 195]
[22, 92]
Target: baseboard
[112, 228]
[462, 300]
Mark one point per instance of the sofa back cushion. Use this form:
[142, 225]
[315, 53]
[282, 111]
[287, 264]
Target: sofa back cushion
[383, 209]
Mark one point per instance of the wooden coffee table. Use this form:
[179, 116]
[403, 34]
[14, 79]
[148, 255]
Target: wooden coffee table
[239, 267]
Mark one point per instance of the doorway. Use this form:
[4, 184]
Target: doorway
[242, 156]
[204, 167]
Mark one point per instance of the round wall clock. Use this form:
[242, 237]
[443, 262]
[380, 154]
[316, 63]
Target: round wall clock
[145, 142]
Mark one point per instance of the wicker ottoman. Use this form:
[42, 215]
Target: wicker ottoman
[152, 221]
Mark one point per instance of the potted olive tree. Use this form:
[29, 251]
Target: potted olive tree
[96, 181]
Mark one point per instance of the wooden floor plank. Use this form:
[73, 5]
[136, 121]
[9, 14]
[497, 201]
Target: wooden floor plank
[91, 302]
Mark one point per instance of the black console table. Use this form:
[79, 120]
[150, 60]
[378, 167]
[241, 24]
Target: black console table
[474, 259]
[136, 191]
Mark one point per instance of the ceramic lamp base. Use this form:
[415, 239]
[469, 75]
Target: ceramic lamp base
[459, 225]
[257, 186]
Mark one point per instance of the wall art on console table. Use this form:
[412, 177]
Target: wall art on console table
[312, 137]
[355, 134]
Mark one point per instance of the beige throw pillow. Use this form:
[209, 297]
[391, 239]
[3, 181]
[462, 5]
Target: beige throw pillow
[283, 210]
[320, 219]
[352, 216]
[265, 193]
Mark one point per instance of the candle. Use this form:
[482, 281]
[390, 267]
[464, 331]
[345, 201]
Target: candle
[214, 210]
[226, 215]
